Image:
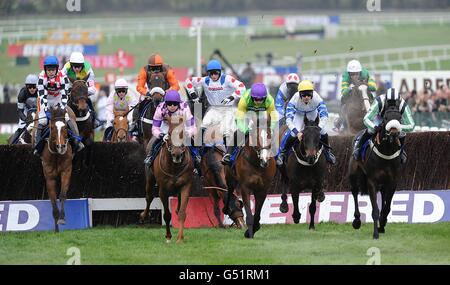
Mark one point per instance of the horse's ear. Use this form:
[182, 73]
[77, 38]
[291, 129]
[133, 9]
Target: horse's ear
[317, 120]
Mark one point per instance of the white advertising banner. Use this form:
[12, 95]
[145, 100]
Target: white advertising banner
[406, 81]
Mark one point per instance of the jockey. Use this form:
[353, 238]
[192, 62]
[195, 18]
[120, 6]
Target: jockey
[354, 73]
[285, 92]
[220, 90]
[155, 74]
[79, 69]
[27, 92]
[371, 119]
[172, 106]
[306, 102]
[53, 88]
[255, 99]
[120, 100]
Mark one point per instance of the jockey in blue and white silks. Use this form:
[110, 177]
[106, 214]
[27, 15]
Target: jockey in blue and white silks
[285, 92]
[306, 102]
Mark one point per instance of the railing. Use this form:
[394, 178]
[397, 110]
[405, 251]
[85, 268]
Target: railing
[376, 59]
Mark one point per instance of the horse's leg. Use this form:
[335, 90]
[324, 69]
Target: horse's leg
[312, 210]
[295, 197]
[167, 214]
[183, 201]
[375, 211]
[216, 198]
[149, 184]
[386, 207]
[65, 182]
[354, 188]
[249, 218]
[52, 195]
[284, 205]
[259, 202]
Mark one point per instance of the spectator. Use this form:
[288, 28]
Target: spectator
[248, 75]
[6, 97]
[381, 87]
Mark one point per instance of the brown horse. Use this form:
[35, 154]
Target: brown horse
[254, 171]
[378, 172]
[78, 103]
[57, 163]
[306, 169]
[172, 170]
[120, 126]
[214, 181]
[355, 108]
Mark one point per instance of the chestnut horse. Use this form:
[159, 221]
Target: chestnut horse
[172, 171]
[57, 162]
[120, 127]
[254, 171]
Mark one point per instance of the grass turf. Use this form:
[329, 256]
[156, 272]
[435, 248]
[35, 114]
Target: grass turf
[330, 243]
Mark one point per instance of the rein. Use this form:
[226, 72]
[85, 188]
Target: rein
[168, 174]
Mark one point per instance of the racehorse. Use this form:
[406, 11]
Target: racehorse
[57, 162]
[306, 169]
[172, 171]
[120, 127]
[78, 103]
[254, 171]
[145, 120]
[355, 108]
[25, 137]
[215, 182]
[378, 170]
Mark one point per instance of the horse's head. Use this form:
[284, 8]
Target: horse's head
[175, 143]
[120, 126]
[58, 130]
[311, 139]
[79, 97]
[391, 126]
[157, 95]
[263, 141]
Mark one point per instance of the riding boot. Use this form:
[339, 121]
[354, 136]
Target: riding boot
[327, 151]
[359, 143]
[76, 141]
[403, 156]
[107, 134]
[16, 135]
[197, 160]
[289, 141]
[148, 161]
[226, 160]
[37, 140]
[92, 110]
[134, 125]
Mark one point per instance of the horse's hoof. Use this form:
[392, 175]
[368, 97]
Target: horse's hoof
[168, 240]
[296, 218]
[247, 234]
[356, 224]
[61, 222]
[320, 197]
[312, 227]
[180, 241]
[375, 235]
[381, 230]
[284, 207]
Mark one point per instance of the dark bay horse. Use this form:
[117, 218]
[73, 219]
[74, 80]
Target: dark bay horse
[254, 171]
[306, 169]
[378, 171]
[355, 108]
[120, 127]
[57, 163]
[172, 171]
[215, 183]
[78, 103]
[146, 110]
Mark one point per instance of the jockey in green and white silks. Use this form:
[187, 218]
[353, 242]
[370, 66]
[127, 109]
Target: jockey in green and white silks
[306, 102]
[373, 118]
